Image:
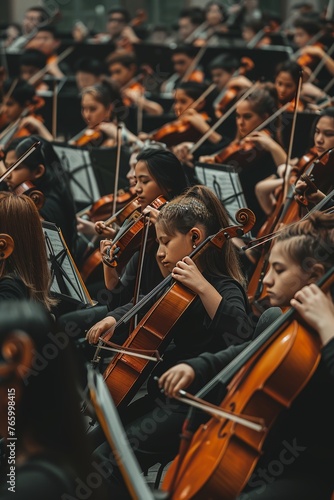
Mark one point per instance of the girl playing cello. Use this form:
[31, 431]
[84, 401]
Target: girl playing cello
[217, 317]
[298, 454]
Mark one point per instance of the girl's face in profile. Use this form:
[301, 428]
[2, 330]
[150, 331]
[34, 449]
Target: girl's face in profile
[147, 188]
[172, 248]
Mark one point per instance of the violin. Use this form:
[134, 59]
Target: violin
[286, 212]
[124, 375]
[308, 59]
[128, 239]
[29, 189]
[91, 269]
[230, 94]
[180, 130]
[14, 130]
[262, 381]
[242, 153]
[91, 136]
[320, 176]
[101, 208]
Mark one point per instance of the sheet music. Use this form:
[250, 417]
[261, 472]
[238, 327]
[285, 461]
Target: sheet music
[77, 162]
[224, 181]
[55, 245]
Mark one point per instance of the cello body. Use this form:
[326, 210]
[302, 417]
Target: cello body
[229, 450]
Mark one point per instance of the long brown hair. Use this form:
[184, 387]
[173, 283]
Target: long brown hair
[200, 205]
[20, 219]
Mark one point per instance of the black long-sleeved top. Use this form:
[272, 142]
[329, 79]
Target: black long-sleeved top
[304, 432]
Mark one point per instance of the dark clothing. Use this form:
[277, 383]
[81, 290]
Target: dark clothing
[84, 319]
[56, 210]
[13, 288]
[152, 423]
[298, 452]
[194, 332]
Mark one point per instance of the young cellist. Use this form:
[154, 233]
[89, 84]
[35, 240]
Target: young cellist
[297, 456]
[217, 317]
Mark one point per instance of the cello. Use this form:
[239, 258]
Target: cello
[125, 375]
[262, 381]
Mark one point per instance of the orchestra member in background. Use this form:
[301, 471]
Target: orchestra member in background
[118, 30]
[46, 40]
[32, 61]
[20, 109]
[182, 58]
[89, 71]
[189, 21]
[123, 70]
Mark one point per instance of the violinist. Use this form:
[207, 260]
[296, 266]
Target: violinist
[119, 30]
[44, 169]
[226, 72]
[189, 21]
[215, 24]
[297, 456]
[47, 41]
[286, 81]
[31, 62]
[88, 71]
[182, 59]
[192, 122]
[323, 139]
[311, 52]
[100, 105]
[19, 109]
[19, 278]
[218, 316]
[253, 164]
[33, 17]
[122, 68]
[157, 172]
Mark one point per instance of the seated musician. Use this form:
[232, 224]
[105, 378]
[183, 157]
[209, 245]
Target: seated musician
[296, 459]
[123, 70]
[89, 71]
[118, 30]
[101, 106]
[193, 116]
[323, 139]
[47, 41]
[182, 58]
[311, 52]
[20, 108]
[209, 321]
[189, 21]
[32, 61]
[44, 170]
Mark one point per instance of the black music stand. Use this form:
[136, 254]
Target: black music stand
[224, 181]
[66, 282]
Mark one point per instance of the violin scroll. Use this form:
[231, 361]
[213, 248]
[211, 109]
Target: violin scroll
[246, 218]
[6, 246]
[29, 189]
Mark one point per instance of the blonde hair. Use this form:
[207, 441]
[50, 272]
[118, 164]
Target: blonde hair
[20, 219]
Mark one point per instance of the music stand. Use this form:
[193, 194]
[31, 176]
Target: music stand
[225, 183]
[66, 282]
[77, 163]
